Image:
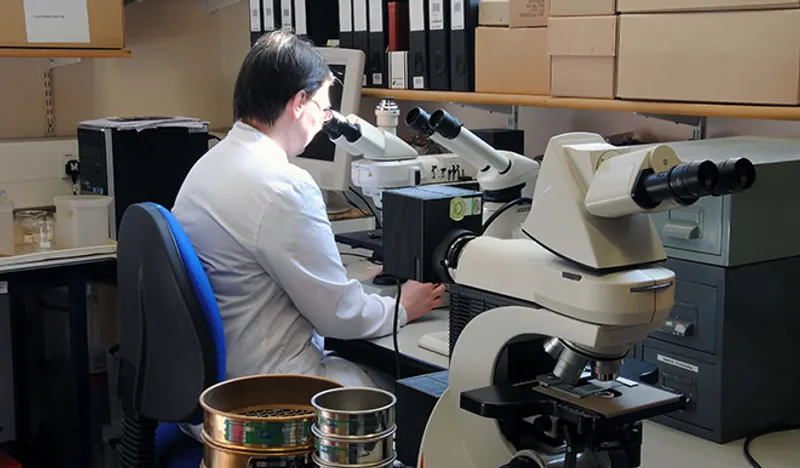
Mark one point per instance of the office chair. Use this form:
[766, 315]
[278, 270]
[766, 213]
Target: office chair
[172, 345]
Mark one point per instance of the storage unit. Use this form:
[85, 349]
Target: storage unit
[582, 7]
[90, 24]
[651, 6]
[7, 407]
[684, 57]
[731, 338]
[512, 61]
[583, 56]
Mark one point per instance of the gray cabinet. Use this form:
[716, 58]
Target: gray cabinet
[732, 337]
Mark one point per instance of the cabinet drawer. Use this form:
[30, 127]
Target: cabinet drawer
[690, 377]
[696, 228]
[693, 320]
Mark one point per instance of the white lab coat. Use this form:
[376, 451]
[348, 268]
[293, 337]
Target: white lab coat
[260, 227]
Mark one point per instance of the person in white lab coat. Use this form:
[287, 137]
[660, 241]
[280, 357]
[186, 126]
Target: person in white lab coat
[260, 227]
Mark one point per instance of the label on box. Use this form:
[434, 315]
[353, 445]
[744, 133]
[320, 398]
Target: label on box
[677, 363]
[300, 17]
[437, 15]
[457, 15]
[377, 79]
[57, 21]
[269, 15]
[375, 16]
[419, 82]
[286, 15]
[255, 15]
[345, 15]
[461, 208]
[3, 287]
[416, 15]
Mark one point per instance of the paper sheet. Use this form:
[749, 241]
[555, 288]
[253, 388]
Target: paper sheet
[57, 21]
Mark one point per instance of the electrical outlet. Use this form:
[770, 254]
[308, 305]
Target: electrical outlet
[65, 158]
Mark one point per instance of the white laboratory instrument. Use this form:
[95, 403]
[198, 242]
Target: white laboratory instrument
[588, 268]
[507, 179]
[388, 162]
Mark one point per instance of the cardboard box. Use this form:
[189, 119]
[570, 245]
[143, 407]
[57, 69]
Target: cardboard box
[730, 57]
[582, 7]
[85, 24]
[528, 13]
[398, 70]
[652, 6]
[512, 61]
[493, 13]
[583, 56]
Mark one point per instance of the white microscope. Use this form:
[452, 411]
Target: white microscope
[506, 179]
[586, 286]
[389, 162]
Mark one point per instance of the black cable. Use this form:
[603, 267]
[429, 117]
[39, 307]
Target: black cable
[503, 209]
[213, 137]
[369, 207]
[394, 332]
[749, 439]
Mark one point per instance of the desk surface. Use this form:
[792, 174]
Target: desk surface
[663, 446]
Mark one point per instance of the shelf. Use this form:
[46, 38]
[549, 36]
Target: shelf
[645, 107]
[64, 53]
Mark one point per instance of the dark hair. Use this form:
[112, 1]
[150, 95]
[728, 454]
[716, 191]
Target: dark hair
[278, 66]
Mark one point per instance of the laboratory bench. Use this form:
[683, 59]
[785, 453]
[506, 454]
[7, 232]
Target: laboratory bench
[662, 447]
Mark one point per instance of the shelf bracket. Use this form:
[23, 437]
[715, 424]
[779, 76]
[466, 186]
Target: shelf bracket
[511, 111]
[699, 124]
[57, 62]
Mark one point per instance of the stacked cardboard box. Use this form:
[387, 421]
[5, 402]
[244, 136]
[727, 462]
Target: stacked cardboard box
[725, 51]
[511, 47]
[582, 44]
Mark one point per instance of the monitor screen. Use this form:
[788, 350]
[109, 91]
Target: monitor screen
[321, 148]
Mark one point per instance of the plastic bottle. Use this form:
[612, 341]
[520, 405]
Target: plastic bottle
[6, 224]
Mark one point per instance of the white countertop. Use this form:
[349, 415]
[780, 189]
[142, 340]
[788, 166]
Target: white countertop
[663, 446]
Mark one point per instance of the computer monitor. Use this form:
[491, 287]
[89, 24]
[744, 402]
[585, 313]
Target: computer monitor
[327, 163]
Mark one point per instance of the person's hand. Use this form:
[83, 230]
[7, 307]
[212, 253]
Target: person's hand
[420, 298]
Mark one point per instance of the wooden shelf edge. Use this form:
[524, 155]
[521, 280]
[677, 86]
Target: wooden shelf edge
[63, 53]
[758, 112]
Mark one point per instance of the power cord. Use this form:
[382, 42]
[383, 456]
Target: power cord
[750, 439]
[503, 209]
[369, 207]
[394, 331]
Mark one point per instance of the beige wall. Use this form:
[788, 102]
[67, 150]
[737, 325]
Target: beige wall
[185, 61]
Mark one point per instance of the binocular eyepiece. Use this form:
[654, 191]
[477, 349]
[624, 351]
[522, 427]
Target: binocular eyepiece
[338, 126]
[687, 182]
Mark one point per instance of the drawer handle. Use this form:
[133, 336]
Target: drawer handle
[678, 230]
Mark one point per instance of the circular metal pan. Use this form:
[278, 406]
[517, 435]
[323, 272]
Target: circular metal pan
[265, 412]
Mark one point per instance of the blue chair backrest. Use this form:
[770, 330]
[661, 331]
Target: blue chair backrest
[172, 343]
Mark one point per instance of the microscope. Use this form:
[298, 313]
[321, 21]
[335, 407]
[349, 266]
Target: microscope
[506, 179]
[581, 286]
[388, 161]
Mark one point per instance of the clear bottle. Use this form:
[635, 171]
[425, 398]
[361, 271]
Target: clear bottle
[6, 224]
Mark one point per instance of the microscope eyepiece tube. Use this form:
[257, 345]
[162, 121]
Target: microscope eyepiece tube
[735, 175]
[338, 124]
[419, 121]
[684, 183]
[466, 144]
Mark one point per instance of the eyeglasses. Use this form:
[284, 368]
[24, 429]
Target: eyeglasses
[327, 113]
